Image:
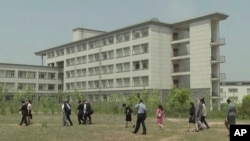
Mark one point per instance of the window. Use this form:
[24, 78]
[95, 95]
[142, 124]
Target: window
[136, 34]
[126, 66]
[10, 74]
[111, 54]
[91, 71]
[91, 45]
[51, 87]
[126, 82]
[111, 40]
[97, 70]
[144, 32]
[126, 51]
[144, 48]
[136, 49]
[136, 81]
[42, 75]
[104, 69]
[111, 83]
[232, 90]
[119, 67]
[136, 65]
[110, 68]
[119, 38]
[145, 81]
[91, 58]
[96, 84]
[144, 64]
[126, 37]
[104, 56]
[51, 75]
[118, 82]
[104, 83]
[119, 53]
[97, 57]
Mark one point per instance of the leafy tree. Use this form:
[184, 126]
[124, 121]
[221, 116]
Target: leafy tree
[246, 104]
[179, 99]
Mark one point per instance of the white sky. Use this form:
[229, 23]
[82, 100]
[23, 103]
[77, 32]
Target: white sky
[28, 26]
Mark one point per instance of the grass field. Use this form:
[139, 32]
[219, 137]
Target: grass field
[106, 128]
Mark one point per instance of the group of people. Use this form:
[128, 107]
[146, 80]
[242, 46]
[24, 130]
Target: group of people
[84, 112]
[141, 116]
[197, 115]
[26, 113]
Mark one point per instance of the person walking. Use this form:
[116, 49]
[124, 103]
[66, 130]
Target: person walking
[87, 111]
[204, 113]
[231, 115]
[29, 115]
[191, 119]
[65, 121]
[24, 111]
[198, 112]
[141, 116]
[80, 112]
[67, 112]
[159, 116]
[128, 114]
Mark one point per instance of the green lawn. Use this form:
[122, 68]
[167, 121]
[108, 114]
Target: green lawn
[106, 128]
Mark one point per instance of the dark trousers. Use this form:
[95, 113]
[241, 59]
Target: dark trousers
[203, 120]
[24, 119]
[140, 121]
[80, 118]
[87, 115]
[68, 118]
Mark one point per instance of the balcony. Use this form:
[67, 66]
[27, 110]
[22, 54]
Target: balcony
[218, 77]
[179, 41]
[217, 42]
[218, 59]
[180, 71]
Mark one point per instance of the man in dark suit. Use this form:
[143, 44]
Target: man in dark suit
[24, 113]
[80, 112]
[87, 111]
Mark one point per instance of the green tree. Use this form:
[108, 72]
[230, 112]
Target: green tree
[179, 99]
[245, 105]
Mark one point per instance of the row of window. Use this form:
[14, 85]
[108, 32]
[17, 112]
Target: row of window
[106, 55]
[107, 69]
[138, 33]
[24, 86]
[109, 83]
[235, 90]
[29, 74]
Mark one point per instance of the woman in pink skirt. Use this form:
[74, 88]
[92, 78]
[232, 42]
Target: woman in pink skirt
[159, 116]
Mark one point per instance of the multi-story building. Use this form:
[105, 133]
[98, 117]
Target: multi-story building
[147, 55]
[40, 79]
[235, 90]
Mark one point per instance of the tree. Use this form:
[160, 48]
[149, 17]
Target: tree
[179, 99]
[245, 105]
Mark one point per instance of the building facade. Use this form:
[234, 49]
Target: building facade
[40, 79]
[147, 55]
[235, 90]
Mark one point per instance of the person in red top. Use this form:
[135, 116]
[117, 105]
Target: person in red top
[160, 115]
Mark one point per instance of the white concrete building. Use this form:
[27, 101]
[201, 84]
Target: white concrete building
[40, 79]
[148, 55]
[235, 90]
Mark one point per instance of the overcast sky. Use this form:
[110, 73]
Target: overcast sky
[28, 26]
